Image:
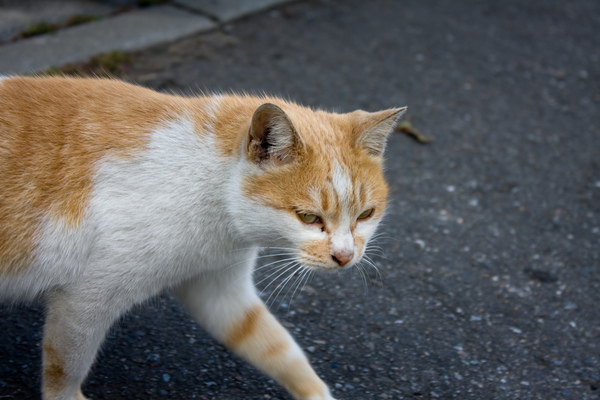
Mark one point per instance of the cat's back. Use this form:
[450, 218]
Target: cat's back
[56, 107]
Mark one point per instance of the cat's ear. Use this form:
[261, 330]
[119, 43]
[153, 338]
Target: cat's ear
[374, 128]
[272, 138]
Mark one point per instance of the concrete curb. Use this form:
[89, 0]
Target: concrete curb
[124, 32]
[229, 10]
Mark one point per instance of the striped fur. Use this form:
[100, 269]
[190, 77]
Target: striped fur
[112, 193]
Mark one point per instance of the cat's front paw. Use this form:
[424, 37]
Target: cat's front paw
[324, 396]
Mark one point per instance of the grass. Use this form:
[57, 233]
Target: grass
[52, 71]
[40, 28]
[112, 62]
[81, 19]
[108, 65]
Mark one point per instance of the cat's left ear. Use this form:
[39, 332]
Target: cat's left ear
[374, 128]
[272, 138]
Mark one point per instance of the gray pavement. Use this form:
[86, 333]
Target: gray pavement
[117, 28]
[124, 32]
[16, 16]
[490, 284]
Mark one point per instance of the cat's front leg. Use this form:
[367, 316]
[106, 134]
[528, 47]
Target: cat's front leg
[229, 308]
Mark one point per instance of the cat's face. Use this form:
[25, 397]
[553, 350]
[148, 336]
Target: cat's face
[317, 182]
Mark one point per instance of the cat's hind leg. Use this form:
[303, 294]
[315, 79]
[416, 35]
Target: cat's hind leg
[227, 306]
[75, 326]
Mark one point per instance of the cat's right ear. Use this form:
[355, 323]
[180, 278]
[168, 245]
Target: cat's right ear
[272, 138]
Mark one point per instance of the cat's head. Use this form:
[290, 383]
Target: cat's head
[313, 181]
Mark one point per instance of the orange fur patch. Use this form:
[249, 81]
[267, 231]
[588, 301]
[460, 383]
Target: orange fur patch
[54, 373]
[317, 251]
[255, 333]
[276, 349]
[246, 327]
[259, 338]
[53, 133]
[359, 241]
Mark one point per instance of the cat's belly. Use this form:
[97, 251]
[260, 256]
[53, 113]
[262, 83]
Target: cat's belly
[121, 258]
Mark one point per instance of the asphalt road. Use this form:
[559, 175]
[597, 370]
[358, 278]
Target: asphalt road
[490, 283]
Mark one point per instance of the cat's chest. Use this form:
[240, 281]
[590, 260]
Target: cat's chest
[171, 196]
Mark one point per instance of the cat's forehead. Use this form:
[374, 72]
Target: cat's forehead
[347, 190]
[321, 129]
[321, 183]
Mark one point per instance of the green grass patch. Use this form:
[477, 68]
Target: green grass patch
[52, 71]
[106, 65]
[112, 62]
[39, 28]
[81, 19]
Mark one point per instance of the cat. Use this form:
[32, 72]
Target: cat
[112, 193]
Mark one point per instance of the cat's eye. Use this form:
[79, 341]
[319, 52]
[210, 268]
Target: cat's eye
[366, 214]
[307, 218]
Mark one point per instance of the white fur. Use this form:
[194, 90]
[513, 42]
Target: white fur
[342, 241]
[342, 184]
[62, 253]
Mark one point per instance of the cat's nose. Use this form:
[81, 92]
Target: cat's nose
[342, 258]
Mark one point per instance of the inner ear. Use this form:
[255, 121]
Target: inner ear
[273, 139]
[375, 128]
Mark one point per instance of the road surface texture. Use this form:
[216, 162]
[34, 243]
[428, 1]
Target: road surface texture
[490, 284]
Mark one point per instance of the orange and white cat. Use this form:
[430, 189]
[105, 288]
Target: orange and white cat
[111, 193]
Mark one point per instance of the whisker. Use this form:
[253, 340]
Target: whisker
[370, 262]
[360, 270]
[384, 237]
[274, 262]
[298, 276]
[262, 267]
[302, 276]
[376, 254]
[254, 259]
[375, 250]
[265, 248]
[367, 278]
[278, 248]
[275, 289]
[314, 272]
[282, 285]
[285, 268]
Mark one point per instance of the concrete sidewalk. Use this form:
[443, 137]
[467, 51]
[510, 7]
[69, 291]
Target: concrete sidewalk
[134, 29]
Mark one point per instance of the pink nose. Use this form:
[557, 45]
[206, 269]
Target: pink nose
[342, 258]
